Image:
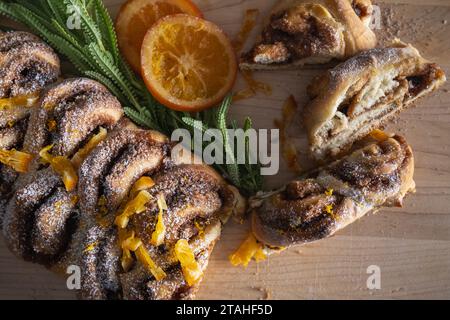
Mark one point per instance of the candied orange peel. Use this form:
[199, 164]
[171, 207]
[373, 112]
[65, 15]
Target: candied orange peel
[19, 101]
[131, 243]
[17, 160]
[83, 153]
[142, 184]
[160, 230]
[248, 250]
[126, 260]
[190, 267]
[144, 258]
[62, 166]
[136, 205]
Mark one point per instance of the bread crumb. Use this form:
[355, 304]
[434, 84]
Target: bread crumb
[267, 294]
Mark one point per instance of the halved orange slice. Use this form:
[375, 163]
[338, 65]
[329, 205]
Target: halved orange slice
[137, 16]
[188, 63]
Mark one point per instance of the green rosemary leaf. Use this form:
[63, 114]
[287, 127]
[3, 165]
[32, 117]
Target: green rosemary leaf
[112, 72]
[34, 6]
[106, 26]
[194, 124]
[91, 31]
[66, 35]
[93, 49]
[26, 14]
[58, 10]
[108, 83]
[232, 167]
[138, 118]
[8, 11]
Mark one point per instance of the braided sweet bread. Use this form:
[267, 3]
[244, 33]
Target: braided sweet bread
[379, 174]
[110, 198]
[69, 114]
[27, 65]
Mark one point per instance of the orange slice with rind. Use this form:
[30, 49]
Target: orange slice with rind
[188, 63]
[137, 16]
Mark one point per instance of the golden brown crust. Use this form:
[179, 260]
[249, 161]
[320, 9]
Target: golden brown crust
[300, 32]
[380, 174]
[361, 94]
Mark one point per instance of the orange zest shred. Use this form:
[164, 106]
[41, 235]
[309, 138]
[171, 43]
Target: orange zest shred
[17, 160]
[142, 184]
[61, 165]
[51, 125]
[329, 192]
[160, 230]
[248, 250]
[136, 205]
[330, 210]
[288, 149]
[90, 247]
[248, 24]
[82, 154]
[19, 101]
[191, 269]
[144, 258]
[379, 135]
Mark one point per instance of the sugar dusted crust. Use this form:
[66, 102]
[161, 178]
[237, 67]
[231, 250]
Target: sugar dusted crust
[304, 32]
[27, 66]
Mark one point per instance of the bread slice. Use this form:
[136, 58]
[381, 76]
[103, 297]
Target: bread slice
[301, 32]
[363, 93]
[379, 174]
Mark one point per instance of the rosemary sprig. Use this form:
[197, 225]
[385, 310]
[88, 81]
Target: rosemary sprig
[94, 52]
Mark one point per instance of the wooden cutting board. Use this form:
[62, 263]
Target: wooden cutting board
[411, 245]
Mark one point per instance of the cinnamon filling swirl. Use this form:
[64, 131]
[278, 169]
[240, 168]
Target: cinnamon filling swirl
[379, 174]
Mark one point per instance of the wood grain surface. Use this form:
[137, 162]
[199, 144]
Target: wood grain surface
[411, 245]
